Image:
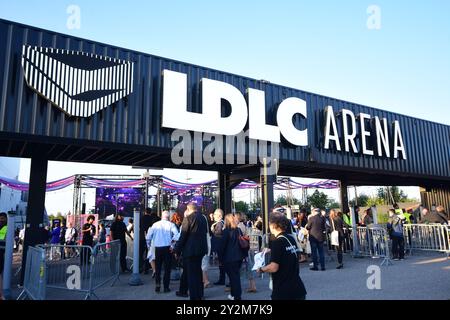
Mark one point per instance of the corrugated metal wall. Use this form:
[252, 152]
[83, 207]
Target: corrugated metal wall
[438, 197]
[136, 120]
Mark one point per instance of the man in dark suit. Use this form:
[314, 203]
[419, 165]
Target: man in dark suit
[316, 228]
[192, 245]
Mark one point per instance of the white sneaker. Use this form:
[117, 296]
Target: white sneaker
[311, 264]
[230, 297]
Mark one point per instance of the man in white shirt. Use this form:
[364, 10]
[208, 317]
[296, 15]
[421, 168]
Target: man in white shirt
[163, 234]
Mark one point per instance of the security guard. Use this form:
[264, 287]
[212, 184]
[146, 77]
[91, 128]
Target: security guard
[397, 210]
[405, 214]
[408, 216]
[3, 231]
[347, 219]
[3, 226]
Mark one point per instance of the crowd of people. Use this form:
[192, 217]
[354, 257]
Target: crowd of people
[191, 241]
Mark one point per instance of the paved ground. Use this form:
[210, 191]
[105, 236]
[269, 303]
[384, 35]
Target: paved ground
[424, 276]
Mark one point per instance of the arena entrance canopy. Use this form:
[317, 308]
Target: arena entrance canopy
[69, 99]
[163, 185]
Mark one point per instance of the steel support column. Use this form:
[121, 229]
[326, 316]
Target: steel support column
[343, 194]
[35, 207]
[225, 194]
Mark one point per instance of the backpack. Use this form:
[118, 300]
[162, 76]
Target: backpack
[397, 226]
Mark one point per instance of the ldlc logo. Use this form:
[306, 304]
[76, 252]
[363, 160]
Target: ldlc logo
[79, 83]
[370, 134]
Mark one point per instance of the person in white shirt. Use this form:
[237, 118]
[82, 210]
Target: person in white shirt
[130, 226]
[163, 234]
[70, 237]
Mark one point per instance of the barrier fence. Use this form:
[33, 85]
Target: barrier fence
[428, 237]
[256, 239]
[71, 268]
[130, 252]
[373, 242]
[105, 264]
[35, 275]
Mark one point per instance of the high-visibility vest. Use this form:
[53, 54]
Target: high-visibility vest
[3, 232]
[408, 217]
[398, 211]
[347, 219]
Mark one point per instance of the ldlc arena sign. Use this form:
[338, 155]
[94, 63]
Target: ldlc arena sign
[82, 84]
[387, 140]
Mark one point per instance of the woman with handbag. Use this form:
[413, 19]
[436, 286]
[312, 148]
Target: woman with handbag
[337, 235]
[233, 254]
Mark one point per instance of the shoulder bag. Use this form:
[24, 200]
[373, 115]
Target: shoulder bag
[334, 235]
[244, 241]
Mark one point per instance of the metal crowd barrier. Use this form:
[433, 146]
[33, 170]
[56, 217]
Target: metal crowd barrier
[257, 243]
[256, 239]
[130, 252]
[35, 275]
[348, 241]
[373, 242]
[72, 268]
[427, 237]
[105, 265]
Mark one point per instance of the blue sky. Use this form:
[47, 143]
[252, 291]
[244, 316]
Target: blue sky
[319, 46]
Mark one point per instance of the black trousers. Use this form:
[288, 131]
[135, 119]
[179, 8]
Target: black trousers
[233, 270]
[221, 269]
[221, 273]
[317, 252]
[123, 255]
[398, 247]
[348, 241]
[339, 249]
[184, 278]
[163, 257]
[85, 256]
[194, 277]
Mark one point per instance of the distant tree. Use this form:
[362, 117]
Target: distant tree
[318, 200]
[394, 195]
[241, 206]
[254, 207]
[362, 201]
[333, 204]
[374, 201]
[281, 200]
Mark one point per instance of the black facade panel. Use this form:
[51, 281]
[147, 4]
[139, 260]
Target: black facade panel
[136, 119]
